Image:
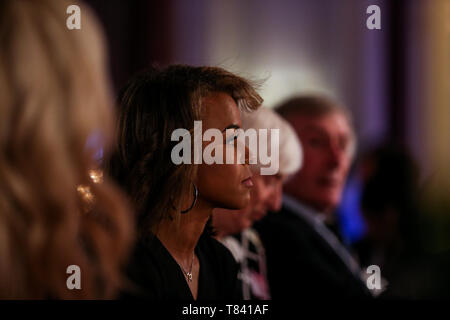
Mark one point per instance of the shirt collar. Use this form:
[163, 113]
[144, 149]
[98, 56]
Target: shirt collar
[303, 210]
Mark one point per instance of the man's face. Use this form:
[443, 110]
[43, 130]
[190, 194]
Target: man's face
[326, 142]
[266, 195]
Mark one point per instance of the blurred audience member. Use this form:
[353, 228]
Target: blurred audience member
[233, 228]
[54, 96]
[389, 205]
[175, 258]
[397, 226]
[305, 258]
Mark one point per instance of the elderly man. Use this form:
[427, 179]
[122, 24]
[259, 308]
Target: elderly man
[304, 256]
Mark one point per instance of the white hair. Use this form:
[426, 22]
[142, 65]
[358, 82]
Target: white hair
[290, 150]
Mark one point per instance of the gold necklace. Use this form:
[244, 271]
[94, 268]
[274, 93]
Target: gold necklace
[188, 274]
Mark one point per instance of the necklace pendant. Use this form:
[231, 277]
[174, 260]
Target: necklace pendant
[189, 276]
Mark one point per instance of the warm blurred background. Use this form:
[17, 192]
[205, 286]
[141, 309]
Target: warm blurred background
[394, 80]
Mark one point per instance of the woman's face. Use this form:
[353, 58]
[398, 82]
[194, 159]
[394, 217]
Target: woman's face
[223, 185]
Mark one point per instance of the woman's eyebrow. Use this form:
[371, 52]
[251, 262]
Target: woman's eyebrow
[231, 126]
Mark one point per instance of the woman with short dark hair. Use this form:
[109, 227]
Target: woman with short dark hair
[175, 259]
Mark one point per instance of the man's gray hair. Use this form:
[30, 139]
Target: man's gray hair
[316, 106]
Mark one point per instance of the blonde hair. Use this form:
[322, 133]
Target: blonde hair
[54, 96]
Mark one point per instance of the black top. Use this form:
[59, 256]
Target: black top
[156, 275]
[300, 264]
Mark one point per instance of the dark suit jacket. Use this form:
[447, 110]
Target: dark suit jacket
[301, 264]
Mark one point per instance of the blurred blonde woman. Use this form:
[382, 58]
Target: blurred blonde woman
[54, 97]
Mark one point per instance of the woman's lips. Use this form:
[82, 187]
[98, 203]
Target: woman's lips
[248, 182]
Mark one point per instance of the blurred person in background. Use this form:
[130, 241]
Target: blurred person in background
[54, 97]
[233, 228]
[390, 208]
[305, 258]
[399, 226]
[176, 258]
